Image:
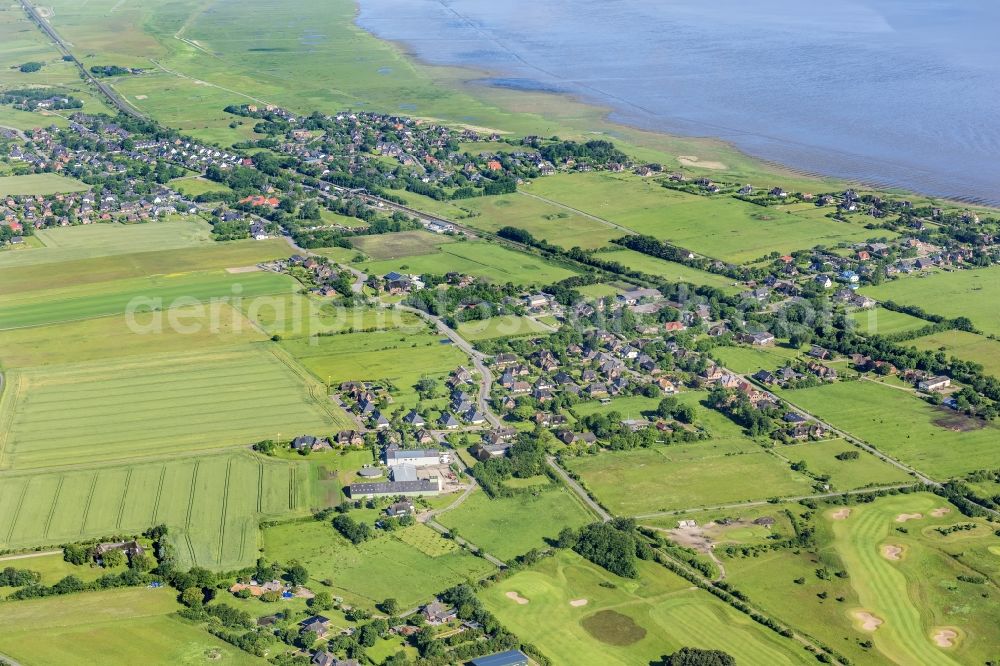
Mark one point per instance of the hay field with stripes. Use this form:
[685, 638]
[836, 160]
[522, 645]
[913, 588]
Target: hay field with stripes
[213, 504]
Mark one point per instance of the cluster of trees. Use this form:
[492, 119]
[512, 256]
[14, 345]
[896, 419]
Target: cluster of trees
[352, 530]
[737, 406]
[688, 656]
[525, 458]
[616, 545]
[110, 70]
[11, 577]
[597, 152]
[29, 67]
[479, 300]
[28, 98]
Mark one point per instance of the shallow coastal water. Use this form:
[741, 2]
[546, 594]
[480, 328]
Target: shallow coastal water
[897, 92]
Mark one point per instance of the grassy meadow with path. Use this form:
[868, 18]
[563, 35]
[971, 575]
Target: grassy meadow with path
[849, 474]
[571, 607]
[934, 440]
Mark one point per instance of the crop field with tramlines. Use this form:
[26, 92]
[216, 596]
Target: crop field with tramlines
[211, 503]
[141, 407]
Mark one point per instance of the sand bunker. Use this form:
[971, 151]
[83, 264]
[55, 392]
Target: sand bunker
[576, 603]
[840, 514]
[894, 553]
[514, 596]
[868, 621]
[945, 638]
[903, 517]
[142, 96]
[243, 269]
[693, 160]
[937, 513]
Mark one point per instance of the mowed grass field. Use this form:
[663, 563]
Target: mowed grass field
[748, 360]
[410, 565]
[138, 295]
[966, 293]
[132, 625]
[131, 408]
[504, 326]
[402, 357]
[966, 346]
[212, 504]
[485, 260]
[400, 244]
[720, 227]
[935, 440]
[300, 315]
[511, 526]
[40, 183]
[626, 622]
[211, 326]
[885, 322]
[103, 240]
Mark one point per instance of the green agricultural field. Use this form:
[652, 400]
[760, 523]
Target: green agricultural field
[511, 526]
[134, 625]
[37, 274]
[935, 440]
[963, 293]
[671, 271]
[599, 290]
[137, 295]
[620, 621]
[885, 322]
[686, 476]
[963, 345]
[402, 244]
[300, 315]
[193, 186]
[632, 406]
[867, 470]
[212, 326]
[485, 260]
[53, 568]
[748, 360]
[555, 224]
[105, 240]
[212, 504]
[137, 407]
[388, 566]
[504, 326]
[39, 183]
[401, 357]
[720, 227]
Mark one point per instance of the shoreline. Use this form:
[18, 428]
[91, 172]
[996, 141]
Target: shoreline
[476, 82]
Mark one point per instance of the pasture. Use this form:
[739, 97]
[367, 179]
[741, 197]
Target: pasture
[885, 322]
[39, 183]
[104, 240]
[140, 407]
[139, 296]
[193, 186]
[748, 360]
[401, 244]
[504, 326]
[401, 357]
[624, 621]
[486, 260]
[134, 625]
[511, 526]
[960, 293]
[212, 504]
[407, 567]
[38, 275]
[719, 227]
[867, 470]
[211, 326]
[300, 315]
[670, 270]
[966, 346]
[935, 440]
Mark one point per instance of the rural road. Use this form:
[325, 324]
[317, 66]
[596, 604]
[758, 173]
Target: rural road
[26, 556]
[578, 489]
[743, 505]
[478, 360]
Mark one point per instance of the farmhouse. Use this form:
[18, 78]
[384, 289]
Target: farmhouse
[318, 624]
[403, 508]
[416, 457]
[438, 613]
[324, 658]
[430, 486]
[759, 339]
[130, 548]
[934, 383]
